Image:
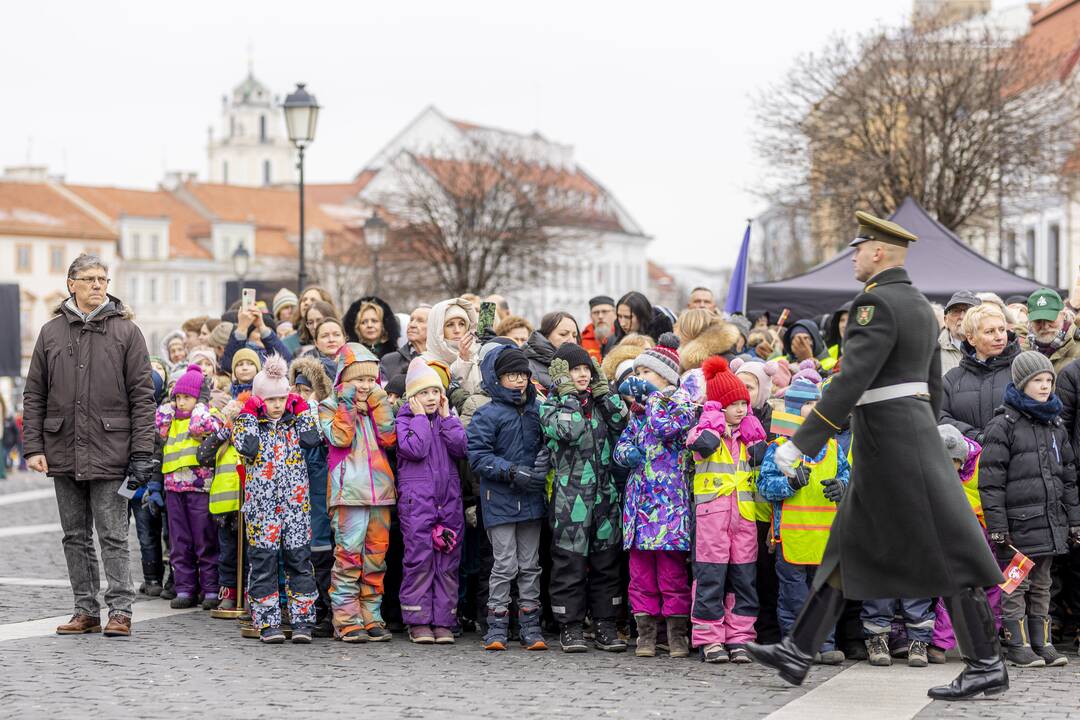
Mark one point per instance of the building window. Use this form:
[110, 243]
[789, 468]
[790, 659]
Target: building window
[232, 126]
[155, 247]
[178, 290]
[200, 292]
[56, 258]
[152, 290]
[133, 251]
[225, 172]
[1053, 255]
[1029, 253]
[266, 172]
[262, 128]
[24, 258]
[1010, 250]
[133, 289]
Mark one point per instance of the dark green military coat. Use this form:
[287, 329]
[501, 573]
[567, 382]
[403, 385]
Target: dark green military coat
[904, 528]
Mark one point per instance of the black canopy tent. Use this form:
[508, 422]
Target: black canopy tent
[939, 265]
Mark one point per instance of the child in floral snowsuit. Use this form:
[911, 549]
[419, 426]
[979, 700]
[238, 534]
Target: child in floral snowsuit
[656, 508]
[270, 433]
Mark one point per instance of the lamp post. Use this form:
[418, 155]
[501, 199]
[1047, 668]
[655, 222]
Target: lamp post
[375, 237]
[301, 114]
[241, 259]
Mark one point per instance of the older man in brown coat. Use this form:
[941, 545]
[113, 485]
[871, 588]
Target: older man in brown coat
[88, 424]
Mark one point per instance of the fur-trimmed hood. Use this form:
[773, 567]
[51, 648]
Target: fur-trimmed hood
[122, 310]
[314, 371]
[719, 339]
[628, 348]
[391, 327]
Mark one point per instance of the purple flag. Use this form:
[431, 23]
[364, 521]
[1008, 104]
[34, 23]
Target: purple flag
[736, 297]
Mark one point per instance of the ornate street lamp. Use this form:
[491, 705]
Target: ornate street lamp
[241, 259]
[301, 115]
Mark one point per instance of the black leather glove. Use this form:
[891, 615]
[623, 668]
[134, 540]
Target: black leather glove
[705, 444]
[142, 467]
[800, 479]
[520, 480]
[833, 489]
[542, 463]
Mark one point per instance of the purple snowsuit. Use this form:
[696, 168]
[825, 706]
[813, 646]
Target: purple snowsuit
[429, 494]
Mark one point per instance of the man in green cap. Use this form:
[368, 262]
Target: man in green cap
[1051, 329]
[904, 528]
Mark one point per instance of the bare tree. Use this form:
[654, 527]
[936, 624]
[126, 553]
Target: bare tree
[955, 118]
[484, 217]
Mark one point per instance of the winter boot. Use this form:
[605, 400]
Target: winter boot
[877, 648]
[272, 635]
[1039, 627]
[606, 637]
[678, 642]
[793, 655]
[531, 636]
[421, 634]
[226, 598]
[181, 602]
[498, 620]
[210, 602]
[830, 657]
[738, 655]
[572, 638]
[379, 633]
[984, 671]
[1017, 649]
[916, 654]
[715, 653]
[935, 655]
[168, 590]
[646, 635]
[151, 587]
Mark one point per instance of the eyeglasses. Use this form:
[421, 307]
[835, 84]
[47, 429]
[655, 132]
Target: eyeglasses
[516, 376]
[93, 281]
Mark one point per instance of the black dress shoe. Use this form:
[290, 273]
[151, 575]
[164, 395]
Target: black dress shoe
[986, 677]
[791, 662]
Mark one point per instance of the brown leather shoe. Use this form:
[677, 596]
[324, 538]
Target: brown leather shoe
[119, 626]
[80, 624]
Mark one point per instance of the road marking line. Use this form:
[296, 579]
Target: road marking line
[37, 582]
[30, 529]
[891, 693]
[147, 610]
[27, 496]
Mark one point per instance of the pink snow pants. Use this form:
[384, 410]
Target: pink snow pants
[725, 573]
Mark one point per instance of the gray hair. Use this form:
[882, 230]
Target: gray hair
[85, 261]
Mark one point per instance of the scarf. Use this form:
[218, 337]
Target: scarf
[1044, 412]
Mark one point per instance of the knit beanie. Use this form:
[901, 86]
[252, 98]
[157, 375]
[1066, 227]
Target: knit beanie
[764, 381]
[219, 336]
[204, 353]
[455, 311]
[721, 385]
[511, 359]
[421, 376]
[272, 380]
[396, 384]
[623, 371]
[442, 369]
[955, 443]
[799, 392]
[574, 355]
[246, 354]
[1027, 365]
[284, 298]
[190, 383]
[663, 359]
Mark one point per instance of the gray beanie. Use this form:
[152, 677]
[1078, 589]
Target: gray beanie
[955, 444]
[1027, 365]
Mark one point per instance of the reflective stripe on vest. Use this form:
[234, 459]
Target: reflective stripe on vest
[719, 475]
[225, 487]
[180, 448]
[971, 489]
[807, 516]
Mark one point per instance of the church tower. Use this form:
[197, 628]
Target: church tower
[251, 147]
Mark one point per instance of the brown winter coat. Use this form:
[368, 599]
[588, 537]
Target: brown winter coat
[89, 399]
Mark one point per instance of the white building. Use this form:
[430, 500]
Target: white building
[251, 147]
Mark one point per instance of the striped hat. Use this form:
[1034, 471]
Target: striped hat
[420, 376]
[800, 392]
[662, 359]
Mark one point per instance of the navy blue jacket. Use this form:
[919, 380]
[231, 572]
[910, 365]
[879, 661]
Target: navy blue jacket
[272, 344]
[504, 434]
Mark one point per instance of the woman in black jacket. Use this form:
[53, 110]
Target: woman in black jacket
[974, 390]
[1027, 485]
[372, 322]
[635, 314]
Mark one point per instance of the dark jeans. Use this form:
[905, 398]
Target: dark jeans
[918, 614]
[148, 527]
[795, 582]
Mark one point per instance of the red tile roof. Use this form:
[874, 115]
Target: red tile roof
[1053, 42]
[185, 224]
[338, 193]
[28, 208]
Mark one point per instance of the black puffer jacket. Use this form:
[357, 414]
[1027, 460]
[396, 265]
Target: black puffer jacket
[975, 390]
[1027, 482]
[1068, 390]
[391, 327]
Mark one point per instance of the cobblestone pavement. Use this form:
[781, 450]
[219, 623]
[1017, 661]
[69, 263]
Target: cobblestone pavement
[190, 664]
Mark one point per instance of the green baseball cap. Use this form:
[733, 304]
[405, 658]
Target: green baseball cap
[1044, 304]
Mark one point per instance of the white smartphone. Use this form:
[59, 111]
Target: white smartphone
[247, 299]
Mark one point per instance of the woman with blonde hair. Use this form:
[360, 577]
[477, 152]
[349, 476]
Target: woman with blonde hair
[694, 321]
[719, 339]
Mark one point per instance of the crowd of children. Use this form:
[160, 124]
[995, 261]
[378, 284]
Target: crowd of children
[634, 498]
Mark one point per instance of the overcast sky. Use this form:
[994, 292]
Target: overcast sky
[656, 98]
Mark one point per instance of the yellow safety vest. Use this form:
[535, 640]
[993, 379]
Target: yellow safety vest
[180, 448]
[829, 361]
[225, 487]
[807, 516]
[718, 475]
[971, 489]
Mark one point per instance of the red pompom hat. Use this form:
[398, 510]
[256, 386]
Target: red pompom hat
[721, 385]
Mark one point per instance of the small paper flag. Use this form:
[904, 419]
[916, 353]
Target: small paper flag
[784, 423]
[1016, 571]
